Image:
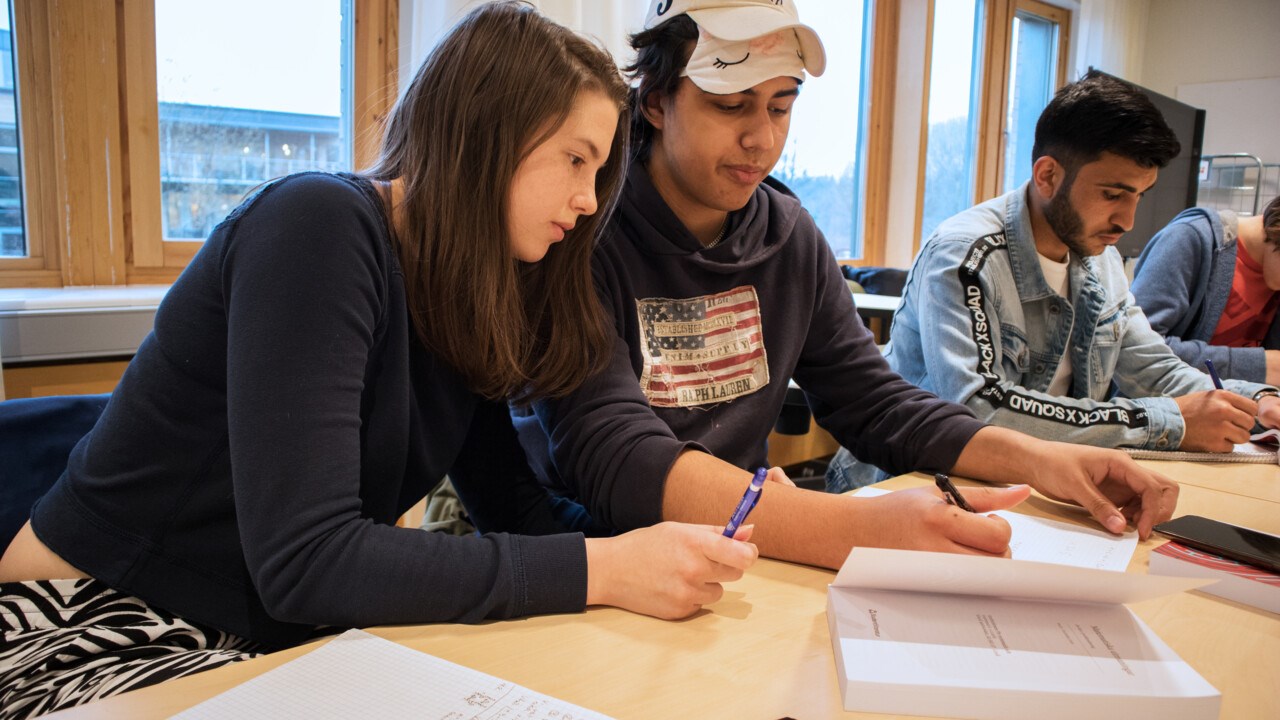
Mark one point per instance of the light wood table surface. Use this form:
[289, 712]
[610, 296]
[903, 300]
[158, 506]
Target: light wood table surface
[764, 650]
[1253, 480]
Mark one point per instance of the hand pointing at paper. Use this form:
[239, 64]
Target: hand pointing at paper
[1109, 484]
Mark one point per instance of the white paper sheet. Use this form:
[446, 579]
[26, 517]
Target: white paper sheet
[361, 675]
[1043, 540]
[916, 571]
[923, 633]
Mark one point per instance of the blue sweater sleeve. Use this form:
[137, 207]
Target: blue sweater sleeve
[1172, 267]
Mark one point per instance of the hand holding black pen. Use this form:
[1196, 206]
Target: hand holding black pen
[951, 493]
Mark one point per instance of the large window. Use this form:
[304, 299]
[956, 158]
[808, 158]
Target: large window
[824, 161]
[993, 66]
[955, 87]
[1031, 76]
[231, 121]
[143, 122]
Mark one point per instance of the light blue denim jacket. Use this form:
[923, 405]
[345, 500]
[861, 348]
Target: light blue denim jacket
[980, 325]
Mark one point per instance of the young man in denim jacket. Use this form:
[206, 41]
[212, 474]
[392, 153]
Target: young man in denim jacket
[1020, 308]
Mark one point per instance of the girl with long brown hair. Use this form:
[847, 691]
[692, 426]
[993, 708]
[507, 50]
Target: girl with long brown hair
[339, 344]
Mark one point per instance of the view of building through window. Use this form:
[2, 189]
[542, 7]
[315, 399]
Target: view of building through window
[230, 121]
[824, 159]
[13, 241]
[954, 94]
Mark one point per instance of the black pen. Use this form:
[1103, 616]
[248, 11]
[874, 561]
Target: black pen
[951, 493]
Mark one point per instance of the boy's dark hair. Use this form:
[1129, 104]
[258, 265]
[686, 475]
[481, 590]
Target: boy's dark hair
[661, 53]
[1099, 113]
[1271, 222]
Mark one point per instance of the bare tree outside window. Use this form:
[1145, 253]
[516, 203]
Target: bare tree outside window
[824, 161]
[950, 172]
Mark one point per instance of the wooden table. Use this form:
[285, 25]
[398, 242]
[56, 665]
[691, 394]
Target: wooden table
[1250, 480]
[764, 650]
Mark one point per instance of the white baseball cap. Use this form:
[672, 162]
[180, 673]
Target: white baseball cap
[741, 20]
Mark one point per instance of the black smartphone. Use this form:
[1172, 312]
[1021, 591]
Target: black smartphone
[1231, 541]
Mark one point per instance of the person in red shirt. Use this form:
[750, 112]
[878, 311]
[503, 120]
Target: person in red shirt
[1210, 283]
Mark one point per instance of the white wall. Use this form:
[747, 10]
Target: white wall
[1224, 57]
[1198, 41]
[422, 22]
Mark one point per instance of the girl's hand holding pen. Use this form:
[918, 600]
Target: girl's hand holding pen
[669, 570]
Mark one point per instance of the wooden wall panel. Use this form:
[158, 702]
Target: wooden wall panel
[73, 378]
[86, 139]
[377, 52]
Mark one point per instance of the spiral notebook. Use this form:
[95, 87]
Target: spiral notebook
[1262, 449]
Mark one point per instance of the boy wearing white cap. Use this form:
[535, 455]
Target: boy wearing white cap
[720, 288]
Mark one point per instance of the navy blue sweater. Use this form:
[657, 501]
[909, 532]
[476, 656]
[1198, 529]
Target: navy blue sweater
[250, 465]
[706, 339]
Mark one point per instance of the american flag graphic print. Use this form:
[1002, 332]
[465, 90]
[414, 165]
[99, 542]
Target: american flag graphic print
[702, 350]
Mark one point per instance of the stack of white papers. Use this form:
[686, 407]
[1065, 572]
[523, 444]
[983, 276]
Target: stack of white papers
[978, 637]
[1043, 635]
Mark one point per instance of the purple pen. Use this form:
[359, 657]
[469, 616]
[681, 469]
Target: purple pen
[1213, 374]
[748, 501]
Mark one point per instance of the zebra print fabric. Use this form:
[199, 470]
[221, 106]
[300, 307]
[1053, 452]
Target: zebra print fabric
[68, 642]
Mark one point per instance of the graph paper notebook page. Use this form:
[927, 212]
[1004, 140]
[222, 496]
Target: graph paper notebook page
[361, 675]
[1044, 540]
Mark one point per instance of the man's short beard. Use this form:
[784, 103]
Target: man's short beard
[1064, 220]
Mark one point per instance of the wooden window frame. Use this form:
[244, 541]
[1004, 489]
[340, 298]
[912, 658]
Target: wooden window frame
[997, 56]
[997, 36]
[884, 65]
[89, 142]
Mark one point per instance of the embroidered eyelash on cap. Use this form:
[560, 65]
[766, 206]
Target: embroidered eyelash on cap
[722, 64]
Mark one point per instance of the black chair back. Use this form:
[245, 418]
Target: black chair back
[877, 280]
[36, 437]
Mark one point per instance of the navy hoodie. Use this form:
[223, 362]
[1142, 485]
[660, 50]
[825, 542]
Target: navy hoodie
[706, 340]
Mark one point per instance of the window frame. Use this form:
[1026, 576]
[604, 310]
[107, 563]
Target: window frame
[993, 93]
[881, 87]
[89, 143]
[991, 131]
[884, 69]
